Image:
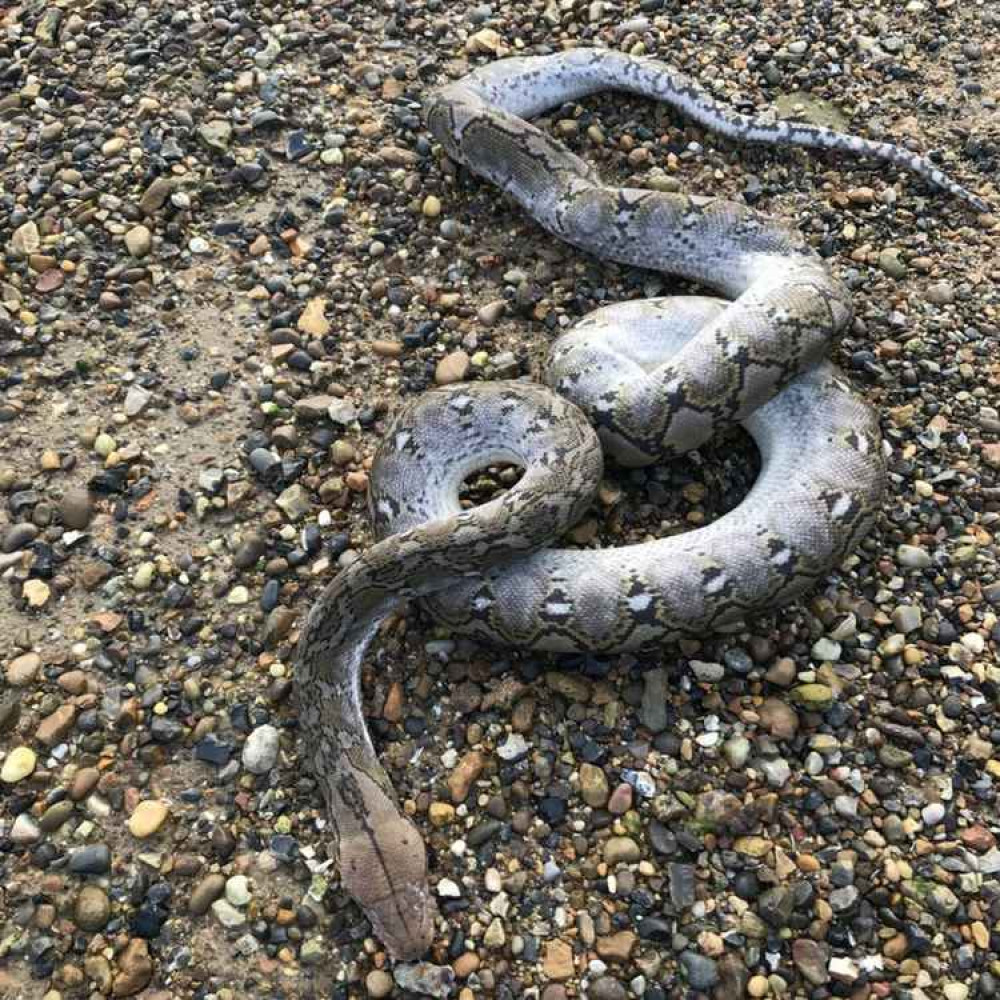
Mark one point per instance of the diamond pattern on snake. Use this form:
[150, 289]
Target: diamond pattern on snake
[639, 382]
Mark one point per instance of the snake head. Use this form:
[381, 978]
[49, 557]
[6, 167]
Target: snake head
[384, 868]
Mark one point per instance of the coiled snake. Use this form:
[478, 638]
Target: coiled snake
[656, 378]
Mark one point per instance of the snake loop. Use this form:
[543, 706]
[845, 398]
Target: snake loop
[656, 378]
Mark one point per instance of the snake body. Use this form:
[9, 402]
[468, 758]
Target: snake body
[648, 380]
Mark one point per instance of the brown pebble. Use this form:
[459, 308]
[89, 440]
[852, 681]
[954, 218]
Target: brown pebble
[452, 368]
[73, 681]
[93, 908]
[83, 783]
[466, 772]
[557, 961]
[135, 969]
[205, 893]
[23, 669]
[779, 719]
[392, 710]
[387, 348]
[54, 727]
[617, 947]
[466, 964]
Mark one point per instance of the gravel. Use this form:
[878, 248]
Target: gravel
[229, 252]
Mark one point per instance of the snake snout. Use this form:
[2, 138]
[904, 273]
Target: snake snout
[384, 868]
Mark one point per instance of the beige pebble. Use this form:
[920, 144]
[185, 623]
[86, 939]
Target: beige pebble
[23, 669]
[452, 368]
[147, 818]
[36, 593]
[19, 764]
[431, 207]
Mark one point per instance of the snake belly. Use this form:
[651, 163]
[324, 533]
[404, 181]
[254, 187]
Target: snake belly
[648, 380]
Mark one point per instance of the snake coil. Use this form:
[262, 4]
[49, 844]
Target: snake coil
[656, 378]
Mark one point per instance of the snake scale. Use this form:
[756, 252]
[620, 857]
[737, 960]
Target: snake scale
[648, 380]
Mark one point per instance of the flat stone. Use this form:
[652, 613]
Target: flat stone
[18, 765]
[54, 727]
[227, 914]
[621, 850]
[815, 697]
[147, 818]
[655, 693]
[557, 960]
[24, 830]
[594, 788]
[702, 973]
[23, 669]
[779, 718]
[25, 240]
[294, 502]
[238, 890]
[94, 859]
[378, 983]
[313, 319]
[155, 195]
[36, 593]
[76, 508]
[136, 400]
[810, 958]
[423, 977]
[216, 134]
[617, 947]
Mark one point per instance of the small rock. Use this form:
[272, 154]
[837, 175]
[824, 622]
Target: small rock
[594, 788]
[36, 593]
[294, 502]
[452, 368]
[260, 752]
[138, 241]
[76, 507]
[378, 983]
[205, 893]
[135, 969]
[147, 818]
[313, 319]
[422, 977]
[19, 764]
[465, 773]
[702, 973]
[810, 958]
[93, 908]
[779, 719]
[557, 961]
[621, 850]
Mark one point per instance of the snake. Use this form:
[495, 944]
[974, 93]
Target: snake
[639, 381]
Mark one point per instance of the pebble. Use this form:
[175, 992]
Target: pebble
[93, 908]
[702, 973]
[147, 818]
[139, 241]
[452, 368]
[260, 752]
[378, 983]
[621, 850]
[214, 303]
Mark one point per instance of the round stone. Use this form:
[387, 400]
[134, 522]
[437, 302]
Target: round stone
[93, 908]
[378, 983]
